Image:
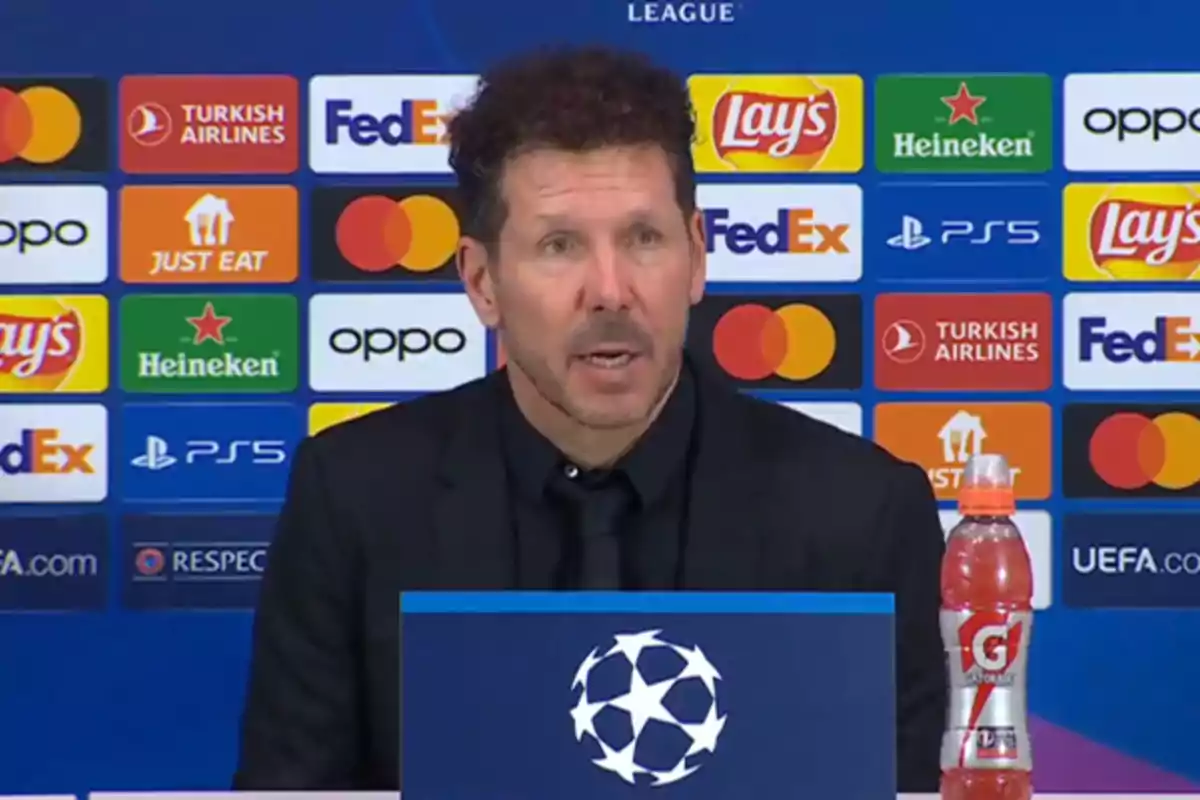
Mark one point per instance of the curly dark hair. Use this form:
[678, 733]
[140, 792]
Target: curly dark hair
[575, 99]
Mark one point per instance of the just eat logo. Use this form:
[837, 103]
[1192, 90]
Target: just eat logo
[783, 233]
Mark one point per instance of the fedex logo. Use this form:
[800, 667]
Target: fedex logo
[382, 123]
[53, 453]
[1169, 339]
[40, 451]
[782, 233]
[793, 231]
[1131, 340]
[414, 122]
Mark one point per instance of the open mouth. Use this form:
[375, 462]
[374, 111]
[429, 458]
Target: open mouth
[609, 357]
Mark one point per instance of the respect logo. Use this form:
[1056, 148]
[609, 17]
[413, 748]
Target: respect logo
[778, 123]
[53, 344]
[42, 124]
[387, 235]
[811, 342]
[1131, 231]
[209, 234]
[1113, 451]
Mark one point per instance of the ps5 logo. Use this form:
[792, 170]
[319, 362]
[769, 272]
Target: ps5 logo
[157, 456]
[912, 234]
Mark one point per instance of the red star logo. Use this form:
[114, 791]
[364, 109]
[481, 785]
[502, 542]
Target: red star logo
[964, 105]
[209, 326]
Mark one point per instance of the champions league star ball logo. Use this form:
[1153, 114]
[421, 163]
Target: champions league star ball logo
[648, 707]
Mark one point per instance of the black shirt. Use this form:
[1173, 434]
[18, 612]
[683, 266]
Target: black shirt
[656, 471]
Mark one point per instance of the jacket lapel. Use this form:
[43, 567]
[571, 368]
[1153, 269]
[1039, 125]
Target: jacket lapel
[474, 542]
[728, 513]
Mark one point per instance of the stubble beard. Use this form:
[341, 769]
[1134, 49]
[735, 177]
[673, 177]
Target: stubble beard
[554, 392]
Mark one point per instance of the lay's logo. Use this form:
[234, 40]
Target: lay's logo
[53, 344]
[778, 123]
[1131, 232]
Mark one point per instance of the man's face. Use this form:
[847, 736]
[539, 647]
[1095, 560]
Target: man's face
[593, 280]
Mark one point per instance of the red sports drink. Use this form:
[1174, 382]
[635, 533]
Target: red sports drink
[987, 616]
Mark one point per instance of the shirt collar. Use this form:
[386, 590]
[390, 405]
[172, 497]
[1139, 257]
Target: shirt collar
[649, 466]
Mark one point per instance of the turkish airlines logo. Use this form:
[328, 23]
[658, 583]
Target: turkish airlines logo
[904, 341]
[149, 124]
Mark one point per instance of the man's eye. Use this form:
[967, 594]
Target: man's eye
[647, 236]
[557, 246]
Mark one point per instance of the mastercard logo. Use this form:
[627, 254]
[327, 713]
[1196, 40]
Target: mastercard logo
[795, 342]
[1131, 451]
[377, 233]
[40, 125]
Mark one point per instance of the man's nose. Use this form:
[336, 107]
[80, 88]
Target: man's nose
[606, 285]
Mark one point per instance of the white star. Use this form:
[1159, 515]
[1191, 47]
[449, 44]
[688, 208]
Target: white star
[698, 666]
[584, 714]
[675, 773]
[620, 761]
[631, 645]
[581, 674]
[704, 735]
[644, 702]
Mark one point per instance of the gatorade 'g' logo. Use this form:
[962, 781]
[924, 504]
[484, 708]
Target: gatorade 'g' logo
[418, 233]
[40, 124]
[990, 640]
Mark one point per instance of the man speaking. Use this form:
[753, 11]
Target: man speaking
[601, 457]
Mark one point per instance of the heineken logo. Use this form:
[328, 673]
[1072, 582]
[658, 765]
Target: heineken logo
[181, 365]
[223, 343]
[985, 123]
[910, 145]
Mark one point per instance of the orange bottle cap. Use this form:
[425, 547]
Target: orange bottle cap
[987, 501]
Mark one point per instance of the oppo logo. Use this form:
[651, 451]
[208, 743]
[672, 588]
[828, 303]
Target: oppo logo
[1136, 121]
[399, 343]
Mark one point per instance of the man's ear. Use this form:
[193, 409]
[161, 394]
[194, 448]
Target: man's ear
[699, 256]
[476, 274]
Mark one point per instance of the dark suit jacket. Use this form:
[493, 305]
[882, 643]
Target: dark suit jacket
[413, 497]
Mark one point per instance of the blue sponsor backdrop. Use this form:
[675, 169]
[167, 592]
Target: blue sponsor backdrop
[130, 700]
[969, 233]
[208, 453]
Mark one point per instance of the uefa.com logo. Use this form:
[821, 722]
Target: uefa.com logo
[394, 342]
[1132, 122]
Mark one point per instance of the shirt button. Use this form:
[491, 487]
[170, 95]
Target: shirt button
[571, 471]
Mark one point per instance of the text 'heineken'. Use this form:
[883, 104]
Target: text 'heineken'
[209, 343]
[981, 123]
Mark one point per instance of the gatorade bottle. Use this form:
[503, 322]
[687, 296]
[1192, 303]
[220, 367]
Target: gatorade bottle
[987, 614]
